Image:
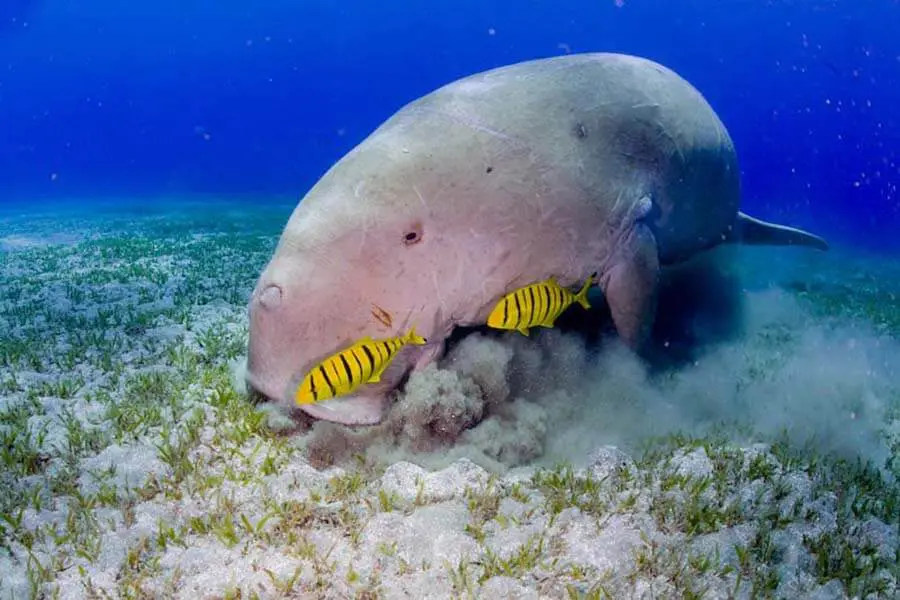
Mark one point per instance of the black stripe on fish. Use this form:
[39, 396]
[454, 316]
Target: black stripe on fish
[518, 309]
[379, 355]
[312, 387]
[347, 372]
[362, 370]
[548, 303]
[327, 379]
[532, 307]
[371, 358]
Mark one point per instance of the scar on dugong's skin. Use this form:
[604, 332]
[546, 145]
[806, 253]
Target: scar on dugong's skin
[550, 168]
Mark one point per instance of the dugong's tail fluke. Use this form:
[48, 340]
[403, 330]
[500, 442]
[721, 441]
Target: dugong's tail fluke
[749, 230]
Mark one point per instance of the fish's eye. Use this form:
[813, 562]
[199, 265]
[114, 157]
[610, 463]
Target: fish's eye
[413, 235]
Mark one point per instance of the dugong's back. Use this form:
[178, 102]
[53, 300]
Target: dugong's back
[618, 127]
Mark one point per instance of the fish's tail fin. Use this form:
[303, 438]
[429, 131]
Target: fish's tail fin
[756, 232]
[582, 296]
[413, 338]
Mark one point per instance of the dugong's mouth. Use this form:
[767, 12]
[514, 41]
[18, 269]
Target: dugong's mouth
[348, 410]
[354, 409]
[261, 390]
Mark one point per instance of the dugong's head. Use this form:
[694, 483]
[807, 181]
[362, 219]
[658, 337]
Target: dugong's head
[369, 251]
[425, 224]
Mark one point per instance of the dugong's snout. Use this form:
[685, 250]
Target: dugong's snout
[294, 321]
[268, 370]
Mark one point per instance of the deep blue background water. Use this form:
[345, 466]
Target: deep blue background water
[141, 99]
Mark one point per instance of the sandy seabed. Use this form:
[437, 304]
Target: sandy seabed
[755, 455]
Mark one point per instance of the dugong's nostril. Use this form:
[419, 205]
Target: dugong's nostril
[270, 296]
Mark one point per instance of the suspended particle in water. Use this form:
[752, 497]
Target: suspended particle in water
[201, 132]
[619, 3]
[492, 31]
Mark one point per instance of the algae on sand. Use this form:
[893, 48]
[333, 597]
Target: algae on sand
[134, 467]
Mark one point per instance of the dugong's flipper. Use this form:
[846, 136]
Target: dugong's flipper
[756, 232]
[630, 285]
[631, 282]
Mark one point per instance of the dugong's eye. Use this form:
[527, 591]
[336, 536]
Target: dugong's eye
[412, 235]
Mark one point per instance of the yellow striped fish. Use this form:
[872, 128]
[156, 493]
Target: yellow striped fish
[362, 363]
[536, 305]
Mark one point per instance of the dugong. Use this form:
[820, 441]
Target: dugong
[560, 167]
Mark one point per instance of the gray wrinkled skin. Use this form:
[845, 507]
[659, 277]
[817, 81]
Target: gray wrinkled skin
[559, 167]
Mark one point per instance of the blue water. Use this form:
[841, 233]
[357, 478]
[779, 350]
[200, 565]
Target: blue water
[106, 98]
